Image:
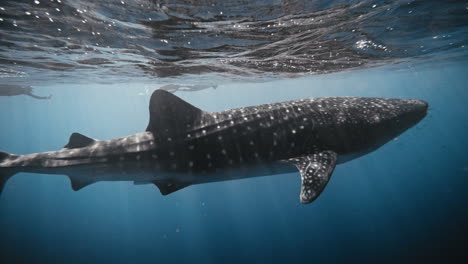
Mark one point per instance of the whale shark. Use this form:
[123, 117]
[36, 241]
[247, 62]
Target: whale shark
[184, 145]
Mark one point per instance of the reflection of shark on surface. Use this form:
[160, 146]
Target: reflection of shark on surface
[184, 145]
[187, 87]
[14, 89]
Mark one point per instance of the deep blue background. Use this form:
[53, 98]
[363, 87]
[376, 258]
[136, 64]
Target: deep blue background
[405, 202]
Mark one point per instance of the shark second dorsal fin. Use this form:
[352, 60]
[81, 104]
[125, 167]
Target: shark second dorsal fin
[316, 170]
[78, 140]
[169, 114]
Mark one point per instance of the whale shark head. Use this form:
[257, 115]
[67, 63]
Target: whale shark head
[381, 120]
[398, 115]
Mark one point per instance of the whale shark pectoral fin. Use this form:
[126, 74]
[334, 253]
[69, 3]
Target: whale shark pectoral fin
[169, 186]
[78, 140]
[170, 114]
[316, 170]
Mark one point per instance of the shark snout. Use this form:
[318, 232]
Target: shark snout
[412, 111]
[417, 106]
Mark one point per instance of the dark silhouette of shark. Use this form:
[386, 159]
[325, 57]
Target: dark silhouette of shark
[14, 89]
[184, 145]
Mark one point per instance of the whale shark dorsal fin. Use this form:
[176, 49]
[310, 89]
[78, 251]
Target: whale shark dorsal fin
[169, 186]
[78, 140]
[316, 170]
[170, 114]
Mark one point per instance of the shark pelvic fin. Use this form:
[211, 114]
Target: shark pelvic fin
[169, 114]
[316, 170]
[78, 184]
[169, 186]
[79, 181]
[78, 140]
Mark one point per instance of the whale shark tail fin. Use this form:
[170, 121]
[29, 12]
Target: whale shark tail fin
[5, 173]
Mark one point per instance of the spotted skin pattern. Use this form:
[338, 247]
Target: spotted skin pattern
[316, 170]
[184, 145]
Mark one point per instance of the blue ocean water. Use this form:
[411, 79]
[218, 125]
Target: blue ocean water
[404, 203]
